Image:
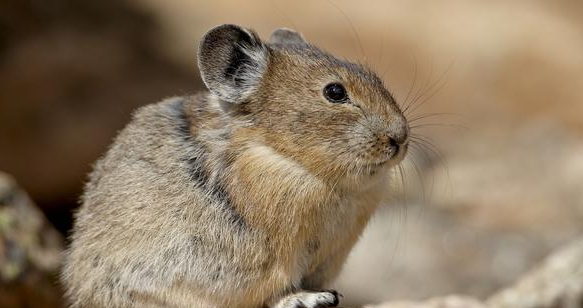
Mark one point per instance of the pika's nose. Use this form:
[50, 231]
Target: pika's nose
[396, 140]
[398, 132]
[393, 142]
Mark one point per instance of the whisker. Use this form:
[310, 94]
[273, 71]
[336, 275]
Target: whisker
[403, 185]
[352, 28]
[431, 115]
[429, 146]
[439, 125]
[439, 83]
[283, 13]
[424, 87]
[379, 62]
[405, 104]
[428, 161]
[420, 177]
[427, 82]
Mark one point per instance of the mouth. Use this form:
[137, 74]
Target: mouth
[394, 157]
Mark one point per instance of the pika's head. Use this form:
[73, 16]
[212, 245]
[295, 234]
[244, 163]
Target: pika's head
[334, 117]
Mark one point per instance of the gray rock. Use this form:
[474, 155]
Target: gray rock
[30, 251]
[555, 283]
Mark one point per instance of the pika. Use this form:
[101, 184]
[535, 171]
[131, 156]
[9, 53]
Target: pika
[249, 195]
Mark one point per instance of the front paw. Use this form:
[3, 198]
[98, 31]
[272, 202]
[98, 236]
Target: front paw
[321, 299]
[307, 299]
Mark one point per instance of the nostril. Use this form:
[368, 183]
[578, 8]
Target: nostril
[394, 146]
[393, 142]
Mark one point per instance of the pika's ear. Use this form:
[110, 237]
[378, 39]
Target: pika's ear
[284, 36]
[232, 60]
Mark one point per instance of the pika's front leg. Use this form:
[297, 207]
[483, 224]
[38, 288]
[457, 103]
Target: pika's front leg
[309, 299]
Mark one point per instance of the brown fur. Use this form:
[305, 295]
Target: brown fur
[221, 200]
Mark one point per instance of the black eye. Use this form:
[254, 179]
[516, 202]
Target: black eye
[335, 93]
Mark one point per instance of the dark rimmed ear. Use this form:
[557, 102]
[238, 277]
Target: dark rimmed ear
[232, 61]
[285, 36]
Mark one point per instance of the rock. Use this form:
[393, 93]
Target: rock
[30, 252]
[556, 283]
[451, 301]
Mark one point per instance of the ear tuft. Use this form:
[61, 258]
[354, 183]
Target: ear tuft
[232, 61]
[285, 36]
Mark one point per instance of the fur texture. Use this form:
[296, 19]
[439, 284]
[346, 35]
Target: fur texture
[241, 197]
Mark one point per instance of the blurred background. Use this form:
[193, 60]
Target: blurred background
[499, 90]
